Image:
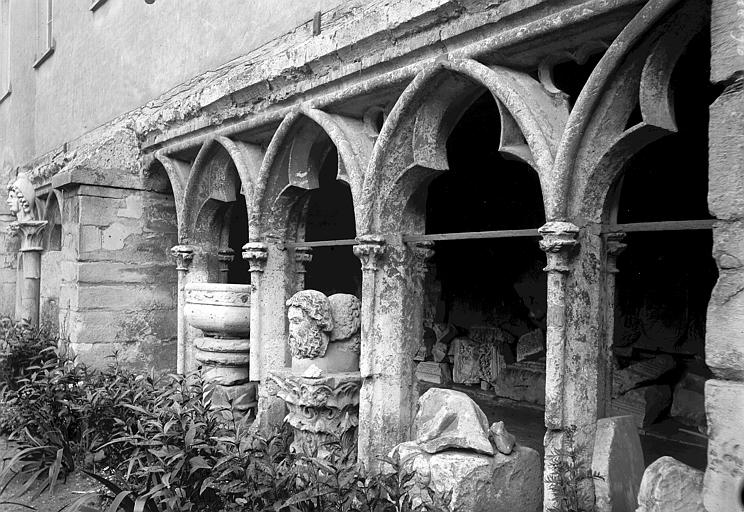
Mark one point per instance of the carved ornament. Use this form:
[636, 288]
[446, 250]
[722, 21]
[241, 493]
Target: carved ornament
[370, 250]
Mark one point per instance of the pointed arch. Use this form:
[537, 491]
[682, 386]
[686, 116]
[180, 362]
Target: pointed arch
[222, 169]
[635, 71]
[292, 163]
[411, 147]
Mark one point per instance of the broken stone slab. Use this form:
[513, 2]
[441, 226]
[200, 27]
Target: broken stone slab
[530, 344]
[639, 373]
[476, 482]
[618, 459]
[449, 419]
[467, 361]
[671, 486]
[439, 351]
[644, 404]
[502, 439]
[436, 373]
[688, 403]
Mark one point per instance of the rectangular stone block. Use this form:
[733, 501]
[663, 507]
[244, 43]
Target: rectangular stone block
[102, 272]
[99, 211]
[724, 475]
[103, 326]
[644, 404]
[436, 373]
[724, 337]
[125, 297]
[727, 39]
[728, 244]
[726, 153]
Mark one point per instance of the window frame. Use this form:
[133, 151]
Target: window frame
[48, 49]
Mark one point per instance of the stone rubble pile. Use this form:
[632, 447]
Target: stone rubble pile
[456, 455]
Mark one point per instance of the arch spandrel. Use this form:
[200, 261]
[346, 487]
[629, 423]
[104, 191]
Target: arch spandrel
[413, 138]
[642, 78]
[292, 163]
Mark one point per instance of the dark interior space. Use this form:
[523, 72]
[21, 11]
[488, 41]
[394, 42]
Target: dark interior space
[485, 299]
[665, 278]
[330, 216]
[237, 270]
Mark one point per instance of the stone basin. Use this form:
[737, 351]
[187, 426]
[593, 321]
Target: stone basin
[218, 309]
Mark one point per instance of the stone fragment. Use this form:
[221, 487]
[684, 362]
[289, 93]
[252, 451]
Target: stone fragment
[671, 486]
[477, 483]
[444, 333]
[439, 351]
[644, 404]
[487, 335]
[724, 475]
[449, 419]
[524, 382]
[531, 344]
[346, 313]
[436, 373]
[503, 440]
[688, 404]
[618, 458]
[636, 374]
[467, 361]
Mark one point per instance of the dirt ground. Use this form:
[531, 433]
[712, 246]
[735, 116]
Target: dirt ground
[65, 492]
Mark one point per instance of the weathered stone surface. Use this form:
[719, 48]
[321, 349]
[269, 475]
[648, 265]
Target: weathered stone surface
[449, 419]
[477, 482]
[639, 373]
[437, 373]
[644, 404]
[724, 404]
[726, 153]
[618, 458]
[671, 486]
[346, 312]
[523, 381]
[530, 344]
[502, 439]
[467, 361]
[688, 402]
[727, 40]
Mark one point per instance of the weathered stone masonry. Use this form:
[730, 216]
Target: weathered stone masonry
[383, 85]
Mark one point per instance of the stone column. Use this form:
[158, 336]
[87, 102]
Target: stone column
[303, 256]
[272, 281]
[614, 246]
[392, 313]
[255, 253]
[724, 339]
[184, 255]
[225, 257]
[31, 233]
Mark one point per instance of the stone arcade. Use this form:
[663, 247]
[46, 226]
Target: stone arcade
[321, 195]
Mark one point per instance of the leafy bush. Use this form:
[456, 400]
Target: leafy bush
[156, 446]
[22, 346]
[569, 476]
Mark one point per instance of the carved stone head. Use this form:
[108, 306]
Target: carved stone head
[22, 198]
[310, 322]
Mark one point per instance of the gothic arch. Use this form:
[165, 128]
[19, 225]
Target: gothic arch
[411, 148]
[292, 163]
[634, 72]
[222, 168]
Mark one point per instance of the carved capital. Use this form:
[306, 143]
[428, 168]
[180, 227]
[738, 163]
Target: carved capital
[615, 247]
[422, 253]
[256, 253]
[31, 233]
[559, 243]
[184, 255]
[369, 250]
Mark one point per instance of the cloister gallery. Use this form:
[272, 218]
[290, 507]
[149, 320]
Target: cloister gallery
[545, 216]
